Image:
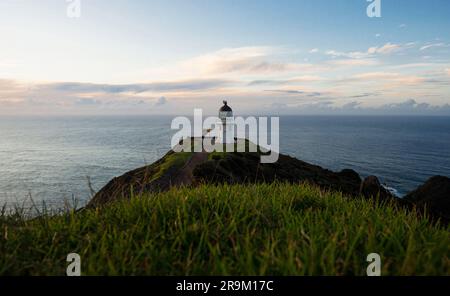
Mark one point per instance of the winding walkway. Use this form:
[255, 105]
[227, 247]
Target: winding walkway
[185, 176]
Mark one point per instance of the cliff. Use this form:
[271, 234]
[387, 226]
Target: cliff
[192, 169]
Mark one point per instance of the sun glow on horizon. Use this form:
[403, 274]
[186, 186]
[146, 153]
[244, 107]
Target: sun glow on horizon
[266, 56]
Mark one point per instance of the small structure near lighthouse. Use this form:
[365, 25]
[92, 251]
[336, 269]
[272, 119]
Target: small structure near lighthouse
[226, 134]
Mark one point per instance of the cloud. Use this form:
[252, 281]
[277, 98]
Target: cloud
[11, 85]
[291, 81]
[188, 85]
[287, 91]
[75, 97]
[13, 91]
[434, 45]
[411, 106]
[87, 102]
[408, 107]
[296, 92]
[242, 59]
[351, 105]
[355, 62]
[266, 82]
[388, 48]
[161, 102]
[364, 95]
[305, 78]
[388, 76]
[402, 26]
[279, 106]
[385, 49]
[252, 74]
[376, 75]
[428, 46]
[352, 55]
[414, 65]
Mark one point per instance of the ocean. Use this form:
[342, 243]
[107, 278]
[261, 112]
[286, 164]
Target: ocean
[54, 159]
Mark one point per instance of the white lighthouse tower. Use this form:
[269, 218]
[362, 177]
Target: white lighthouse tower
[226, 135]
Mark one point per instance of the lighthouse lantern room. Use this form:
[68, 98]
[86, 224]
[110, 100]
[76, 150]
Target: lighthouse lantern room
[226, 135]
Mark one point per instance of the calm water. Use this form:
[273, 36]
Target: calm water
[51, 158]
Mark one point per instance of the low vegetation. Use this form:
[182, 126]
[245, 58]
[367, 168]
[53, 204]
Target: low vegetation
[265, 229]
[172, 161]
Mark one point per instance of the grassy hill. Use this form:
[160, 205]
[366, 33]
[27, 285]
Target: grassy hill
[264, 229]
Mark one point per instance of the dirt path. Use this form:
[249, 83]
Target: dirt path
[185, 175]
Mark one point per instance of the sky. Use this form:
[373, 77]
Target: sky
[264, 57]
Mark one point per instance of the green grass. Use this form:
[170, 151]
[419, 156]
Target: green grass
[174, 160]
[276, 229]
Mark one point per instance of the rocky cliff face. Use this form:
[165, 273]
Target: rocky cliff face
[372, 188]
[191, 169]
[231, 168]
[246, 168]
[434, 195]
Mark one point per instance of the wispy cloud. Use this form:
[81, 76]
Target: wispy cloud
[292, 81]
[67, 96]
[408, 107]
[356, 62]
[353, 54]
[161, 102]
[254, 74]
[365, 95]
[433, 45]
[242, 59]
[388, 48]
[296, 92]
[188, 85]
[87, 102]
[389, 76]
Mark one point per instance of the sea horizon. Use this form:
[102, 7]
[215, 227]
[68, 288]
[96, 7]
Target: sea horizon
[55, 156]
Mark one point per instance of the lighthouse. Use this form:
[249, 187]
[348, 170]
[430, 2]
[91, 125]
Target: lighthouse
[226, 134]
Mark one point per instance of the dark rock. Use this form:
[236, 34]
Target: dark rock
[434, 195]
[231, 168]
[136, 182]
[350, 174]
[432, 199]
[246, 168]
[372, 188]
